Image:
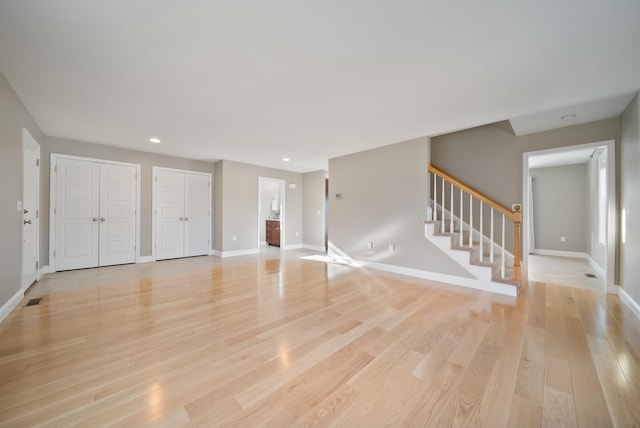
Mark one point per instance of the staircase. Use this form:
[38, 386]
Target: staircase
[463, 237]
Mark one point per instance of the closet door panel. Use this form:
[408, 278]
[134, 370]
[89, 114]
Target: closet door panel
[76, 217]
[196, 196]
[169, 212]
[117, 214]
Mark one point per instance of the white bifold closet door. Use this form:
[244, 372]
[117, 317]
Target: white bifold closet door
[95, 214]
[182, 210]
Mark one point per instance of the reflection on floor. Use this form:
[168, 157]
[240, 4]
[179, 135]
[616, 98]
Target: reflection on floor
[563, 271]
[95, 277]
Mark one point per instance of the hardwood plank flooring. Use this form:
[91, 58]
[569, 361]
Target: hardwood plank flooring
[287, 342]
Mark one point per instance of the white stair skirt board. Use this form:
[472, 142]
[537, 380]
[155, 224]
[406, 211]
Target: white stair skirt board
[628, 301]
[494, 287]
[10, 305]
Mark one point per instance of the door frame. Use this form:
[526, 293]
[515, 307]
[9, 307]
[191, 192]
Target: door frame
[53, 200]
[154, 170]
[27, 138]
[610, 259]
[283, 193]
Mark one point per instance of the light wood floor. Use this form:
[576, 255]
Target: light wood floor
[563, 270]
[293, 343]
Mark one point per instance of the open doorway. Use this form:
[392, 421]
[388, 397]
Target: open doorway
[569, 215]
[271, 213]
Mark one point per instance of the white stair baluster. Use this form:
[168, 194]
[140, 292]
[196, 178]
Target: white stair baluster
[491, 240]
[435, 198]
[481, 232]
[502, 255]
[451, 211]
[442, 206]
[461, 222]
[470, 220]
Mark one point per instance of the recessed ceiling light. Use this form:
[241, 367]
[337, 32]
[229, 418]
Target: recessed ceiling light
[154, 140]
[568, 117]
[286, 159]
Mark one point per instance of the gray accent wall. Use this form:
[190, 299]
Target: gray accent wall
[239, 205]
[630, 199]
[97, 151]
[560, 207]
[381, 195]
[313, 208]
[13, 117]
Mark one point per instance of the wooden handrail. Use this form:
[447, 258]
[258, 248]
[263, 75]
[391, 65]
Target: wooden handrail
[515, 215]
[475, 193]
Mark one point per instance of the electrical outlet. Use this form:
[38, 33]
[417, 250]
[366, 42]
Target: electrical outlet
[563, 239]
[369, 245]
[392, 247]
[297, 234]
[234, 238]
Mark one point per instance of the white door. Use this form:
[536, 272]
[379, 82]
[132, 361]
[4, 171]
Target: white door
[77, 214]
[30, 206]
[169, 212]
[197, 192]
[117, 214]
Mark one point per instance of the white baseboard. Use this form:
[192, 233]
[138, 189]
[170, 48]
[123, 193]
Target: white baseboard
[574, 254]
[292, 247]
[508, 290]
[236, 253]
[313, 247]
[263, 243]
[10, 305]
[42, 271]
[601, 273]
[145, 259]
[629, 302]
[215, 253]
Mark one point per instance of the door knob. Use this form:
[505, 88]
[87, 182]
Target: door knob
[26, 221]
[181, 218]
[94, 219]
[102, 219]
[186, 219]
[25, 211]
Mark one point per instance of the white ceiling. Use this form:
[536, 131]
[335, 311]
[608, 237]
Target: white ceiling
[255, 81]
[569, 157]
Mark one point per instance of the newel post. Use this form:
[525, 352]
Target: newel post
[517, 218]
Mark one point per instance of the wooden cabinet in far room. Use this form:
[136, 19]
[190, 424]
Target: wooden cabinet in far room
[273, 232]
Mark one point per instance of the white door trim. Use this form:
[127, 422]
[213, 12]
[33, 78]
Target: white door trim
[27, 139]
[154, 170]
[609, 279]
[52, 200]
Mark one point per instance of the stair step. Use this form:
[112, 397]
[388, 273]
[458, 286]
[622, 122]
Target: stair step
[474, 251]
